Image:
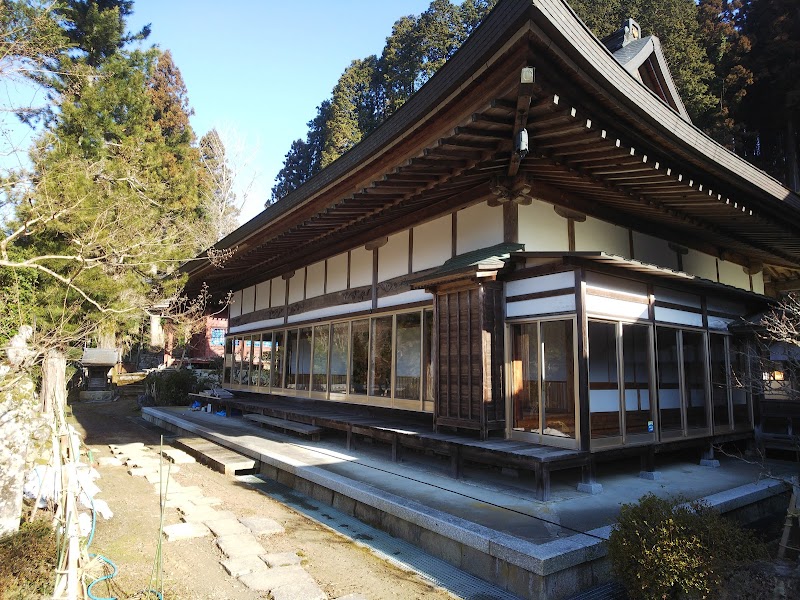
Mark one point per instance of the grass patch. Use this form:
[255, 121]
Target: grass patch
[28, 562]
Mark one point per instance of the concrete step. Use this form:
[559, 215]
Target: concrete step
[216, 457]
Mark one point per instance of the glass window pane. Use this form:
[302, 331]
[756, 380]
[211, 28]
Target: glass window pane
[319, 375]
[408, 360]
[669, 389]
[380, 357]
[740, 390]
[226, 376]
[427, 349]
[719, 380]
[340, 344]
[603, 380]
[525, 378]
[291, 359]
[278, 359]
[694, 368]
[244, 374]
[359, 364]
[266, 359]
[558, 381]
[237, 359]
[636, 363]
[304, 359]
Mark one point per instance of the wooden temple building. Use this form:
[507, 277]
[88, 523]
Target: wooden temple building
[538, 247]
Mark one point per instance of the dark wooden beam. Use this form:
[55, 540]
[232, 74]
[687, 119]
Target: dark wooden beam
[526, 89]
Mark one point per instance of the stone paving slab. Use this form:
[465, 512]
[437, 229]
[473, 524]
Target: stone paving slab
[236, 567]
[220, 527]
[177, 456]
[185, 531]
[235, 546]
[206, 501]
[209, 515]
[352, 597]
[281, 559]
[109, 461]
[170, 486]
[140, 471]
[300, 590]
[155, 477]
[142, 461]
[130, 446]
[262, 525]
[269, 579]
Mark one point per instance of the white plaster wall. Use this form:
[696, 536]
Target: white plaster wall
[262, 295]
[613, 307]
[733, 274]
[678, 317]
[615, 284]
[594, 234]
[541, 229]
[700, 264]
[315, 284]
[278, 292]
[542, 283]
[433, 243]
[676, 297]
[541, 306]
[248, 299]
[360, 267]
[235, 309]
[393, 257]
[758, 283]
[337, 273]
[654, 251]
[478, 226]
[297, 286]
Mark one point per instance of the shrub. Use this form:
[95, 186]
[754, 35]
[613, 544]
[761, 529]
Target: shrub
[669, 549]
[171, 387]
[28, 562]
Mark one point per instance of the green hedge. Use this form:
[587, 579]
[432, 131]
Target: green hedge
[171, 387]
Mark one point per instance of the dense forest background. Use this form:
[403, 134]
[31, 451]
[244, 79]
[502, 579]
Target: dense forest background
[736, 64]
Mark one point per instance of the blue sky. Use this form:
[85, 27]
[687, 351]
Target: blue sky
[257, 69]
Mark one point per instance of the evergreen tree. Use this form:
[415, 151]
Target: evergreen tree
[675, 23]
[771, 112]
[727, 49]
[372, 89]
[220, 213]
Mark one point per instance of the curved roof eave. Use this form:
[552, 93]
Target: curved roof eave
[555, 26]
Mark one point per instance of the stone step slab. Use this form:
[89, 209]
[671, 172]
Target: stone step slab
[109, 461]
[185, 531]
[281, 559]
[236, 567]
[235, 546]
[221, 527]
[207, 515]
[177, 456]
[268, 579]
[262, 525]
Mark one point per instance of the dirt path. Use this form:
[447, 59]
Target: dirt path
[192, 567]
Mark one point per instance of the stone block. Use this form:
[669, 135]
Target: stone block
[440, 546]
[709, 462]
[650, 475]
[140, 471]
[300, 590]
[281, 559]
[262, 525]
[236, 567]
[344, 504]
[234, 546]
[322, 494]
[177, 456]
[591, 488]
[267, 580]
[220, 527]
[185, 531]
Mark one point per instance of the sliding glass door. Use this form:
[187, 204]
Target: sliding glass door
[543, 398]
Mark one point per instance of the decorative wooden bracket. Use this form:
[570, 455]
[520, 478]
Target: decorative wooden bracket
[510, 189]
